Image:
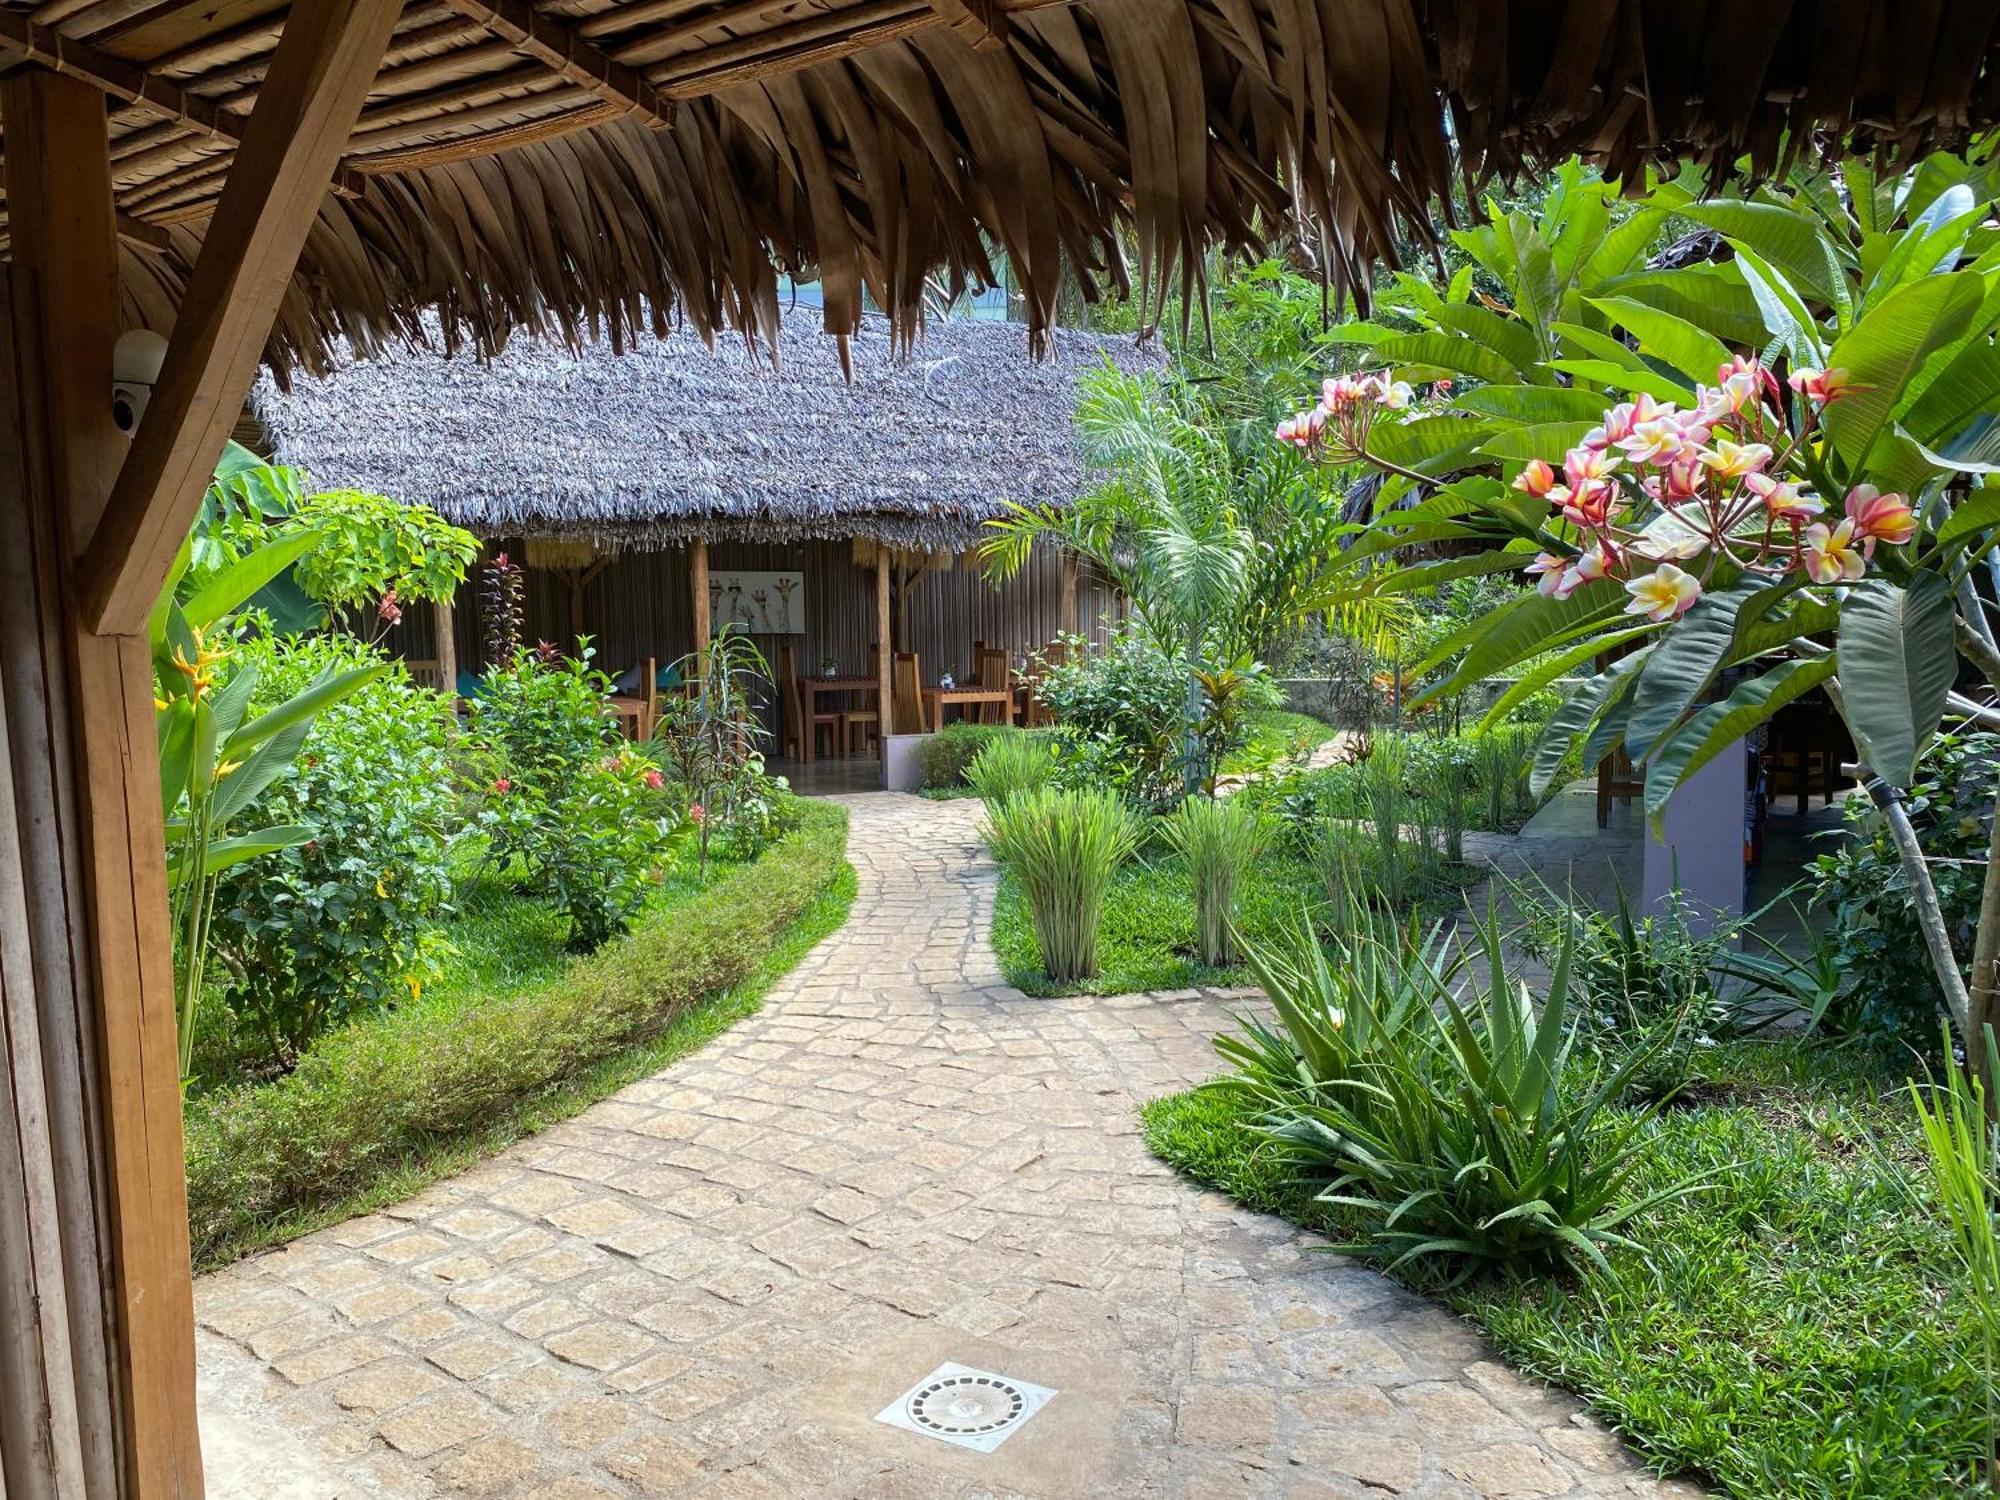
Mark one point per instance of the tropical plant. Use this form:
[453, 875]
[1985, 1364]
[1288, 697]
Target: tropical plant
[1218, 838]
[1063, 846]
[347, 920]
[1963, 1145]
[1831, 479]
[1467, 1136]
[1887, 987]
[1222, 553]
[1011, 764]
[216, 756]
[946, 756]
[708, 741]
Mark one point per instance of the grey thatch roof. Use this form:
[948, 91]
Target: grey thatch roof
[670, 439]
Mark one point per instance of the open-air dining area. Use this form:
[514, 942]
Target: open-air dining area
[999, 750]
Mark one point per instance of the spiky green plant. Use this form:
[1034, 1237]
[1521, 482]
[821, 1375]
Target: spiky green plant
[1063, 846]
[1339, 852]
[1384, 785]
[1963, 1144]
[1218, 839]
[1010, 764]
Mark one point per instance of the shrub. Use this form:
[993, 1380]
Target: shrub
[365, 1099]
[1461, 1136]
[946, 756]
[347, 920]
[1064, 846]
[1888, 988]
[1015, 763]
[540, 721]
[1218, 839]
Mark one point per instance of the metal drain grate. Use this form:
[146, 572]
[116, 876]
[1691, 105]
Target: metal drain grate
[971, 1408]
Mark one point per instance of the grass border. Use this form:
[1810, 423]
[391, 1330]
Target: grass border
[224, 1138]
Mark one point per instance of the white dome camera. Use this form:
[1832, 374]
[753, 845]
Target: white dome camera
[135, 370]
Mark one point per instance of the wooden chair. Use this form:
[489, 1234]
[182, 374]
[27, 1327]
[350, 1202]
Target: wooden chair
[1055, 654]
[649, 690]
[907, 683]
[992, 671]
[797, 745]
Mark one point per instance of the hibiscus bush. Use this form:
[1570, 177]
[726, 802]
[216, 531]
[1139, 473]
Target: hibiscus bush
[1743, 481]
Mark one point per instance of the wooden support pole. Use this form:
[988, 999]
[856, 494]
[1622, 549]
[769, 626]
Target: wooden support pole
[885, 655]
[319, 75]
[1066, 597]
[64, 300]
[698, 582]
[445, 628]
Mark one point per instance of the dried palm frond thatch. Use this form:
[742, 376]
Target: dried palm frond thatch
[622, 163]
[671, 439]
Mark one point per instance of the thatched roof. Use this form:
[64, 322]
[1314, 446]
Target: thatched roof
[564, 165]
[671, 439]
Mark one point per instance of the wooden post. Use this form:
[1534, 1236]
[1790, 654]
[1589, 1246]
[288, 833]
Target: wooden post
[64, 300]
[885, 656]
[445, 628]
[1066, 599]
[698, 581]
[306, 107]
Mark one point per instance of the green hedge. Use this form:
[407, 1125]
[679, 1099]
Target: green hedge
[945, 755]
[365, 1101]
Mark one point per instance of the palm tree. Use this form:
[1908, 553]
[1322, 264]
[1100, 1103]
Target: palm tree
[1222, 552]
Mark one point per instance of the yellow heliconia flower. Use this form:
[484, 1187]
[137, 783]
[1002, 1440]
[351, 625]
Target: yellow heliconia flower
[416, 987]
[226, 767]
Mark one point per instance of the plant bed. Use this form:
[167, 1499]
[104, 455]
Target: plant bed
[1147, 939]
[1792, 1329]
[521, 1038]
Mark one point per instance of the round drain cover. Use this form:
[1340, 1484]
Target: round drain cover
[962, 1405]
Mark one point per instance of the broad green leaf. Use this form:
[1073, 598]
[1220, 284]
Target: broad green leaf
[1534, 280]
[1524, 629]
[1976, 513]
[1549, 440]
[1443, 351]
[1898, 660]
[1714, 298]
[245, 780]
[1624, 247]
[1793, 242]
[1356, 333]
[1786, 318]
[1684, 663]
[1804, 618]
[176, 734]
[222, 853]
[1570, 722]
[1967, 385]
[1507, 337]
[1931, 244]
[1533, 403]
[1975, 450]
[1885, 348]
[300, 708]
[234, 583]
[1558, 665]
[1693, 351]
[1624, 381]
[1717, 726]
[1428, 575]
[1430, 445]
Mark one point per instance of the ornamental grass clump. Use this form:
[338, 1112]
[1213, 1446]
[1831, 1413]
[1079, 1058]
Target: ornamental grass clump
[1063, 846]
[1218, 839]
[1009, 765]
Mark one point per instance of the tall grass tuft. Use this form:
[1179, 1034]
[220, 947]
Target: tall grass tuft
[1010, 765]
[1963, 1144]
[1063, 846]
[1218, 838]
[1384, 785]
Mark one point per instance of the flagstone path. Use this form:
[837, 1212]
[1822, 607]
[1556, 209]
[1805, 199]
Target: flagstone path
[710, 1283]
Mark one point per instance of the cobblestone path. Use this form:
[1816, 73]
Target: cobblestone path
[709, 1284]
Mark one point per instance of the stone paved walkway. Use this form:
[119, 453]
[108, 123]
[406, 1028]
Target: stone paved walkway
[708, 1284]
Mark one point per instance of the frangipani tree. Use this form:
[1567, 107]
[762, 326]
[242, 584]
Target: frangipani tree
[1745, 507]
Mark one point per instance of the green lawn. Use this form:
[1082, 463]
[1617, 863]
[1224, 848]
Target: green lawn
[1276, 732]
[1792, 1330]
[1147, 937]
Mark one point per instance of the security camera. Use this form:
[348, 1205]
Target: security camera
[135, 370]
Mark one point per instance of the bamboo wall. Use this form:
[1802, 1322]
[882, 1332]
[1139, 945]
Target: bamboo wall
[641, 605]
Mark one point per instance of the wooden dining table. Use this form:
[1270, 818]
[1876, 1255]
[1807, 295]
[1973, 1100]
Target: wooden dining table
[812, 688]
[935, 699]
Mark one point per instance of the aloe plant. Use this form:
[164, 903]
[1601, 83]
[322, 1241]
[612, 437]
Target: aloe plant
[1064, 847]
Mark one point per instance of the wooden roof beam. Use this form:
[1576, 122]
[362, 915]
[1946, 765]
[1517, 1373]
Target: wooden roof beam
[556, 45]
[320, 73]
[983, 23]
[48, 48]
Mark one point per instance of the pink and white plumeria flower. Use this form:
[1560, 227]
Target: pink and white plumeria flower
[1664, 594]
[1832, 554]
[1880, 518]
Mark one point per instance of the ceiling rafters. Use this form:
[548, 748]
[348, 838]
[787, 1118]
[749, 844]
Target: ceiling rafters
[557, 46]
[49, 48]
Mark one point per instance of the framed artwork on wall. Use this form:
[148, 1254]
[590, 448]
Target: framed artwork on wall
[761, 603]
